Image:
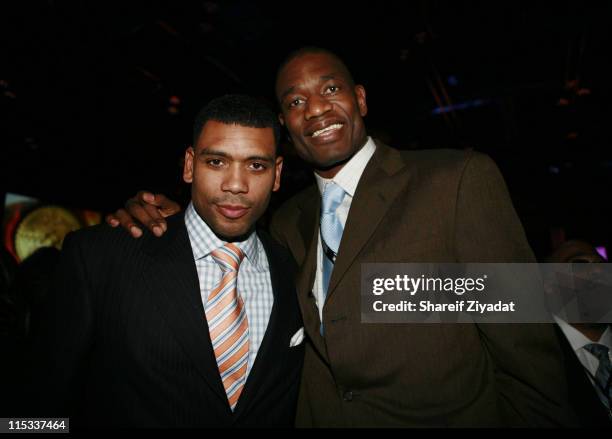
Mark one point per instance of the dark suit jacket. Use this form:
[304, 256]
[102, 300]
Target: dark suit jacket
[419, 206]
[583, 397]
[127, 343]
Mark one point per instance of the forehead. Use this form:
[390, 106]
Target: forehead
[309, 68]
[236, 139]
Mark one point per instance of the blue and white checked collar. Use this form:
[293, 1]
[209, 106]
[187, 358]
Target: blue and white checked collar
[204, 241]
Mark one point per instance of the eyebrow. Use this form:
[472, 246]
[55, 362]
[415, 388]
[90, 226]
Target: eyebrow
[286, 92]
[323, 77]
[261, 158]
[206, 151]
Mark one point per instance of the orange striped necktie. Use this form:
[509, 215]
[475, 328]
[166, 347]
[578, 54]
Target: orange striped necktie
[228, 324]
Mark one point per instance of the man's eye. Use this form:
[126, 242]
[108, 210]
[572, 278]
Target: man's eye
[215, 162]
[258, 166]
[332, 89]
[295, 103]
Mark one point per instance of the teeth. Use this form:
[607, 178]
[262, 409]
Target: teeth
[333, 127]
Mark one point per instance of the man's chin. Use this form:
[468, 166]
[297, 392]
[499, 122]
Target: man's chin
[231, 234]
[327, 163]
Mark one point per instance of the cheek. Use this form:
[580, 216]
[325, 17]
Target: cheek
[358, 125]
[206, 184]
[293, 125]
[261, 190]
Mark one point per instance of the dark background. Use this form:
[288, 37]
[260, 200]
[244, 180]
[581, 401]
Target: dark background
[97, 99]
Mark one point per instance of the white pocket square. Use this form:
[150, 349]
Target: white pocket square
[297, 338]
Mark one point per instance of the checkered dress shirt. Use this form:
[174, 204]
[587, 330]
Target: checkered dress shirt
[254, 282]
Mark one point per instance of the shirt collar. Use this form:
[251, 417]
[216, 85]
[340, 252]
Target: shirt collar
[578, 340]
[348, 177]
[204, 241]
[606, 338]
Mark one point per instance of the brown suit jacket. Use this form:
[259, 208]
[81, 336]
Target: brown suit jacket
[420, 206]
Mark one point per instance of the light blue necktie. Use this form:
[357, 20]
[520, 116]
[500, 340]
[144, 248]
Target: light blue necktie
[603, 377]
[331, 231]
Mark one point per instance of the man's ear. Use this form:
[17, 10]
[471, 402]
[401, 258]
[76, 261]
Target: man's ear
[277, 173]
[360, 93]
[281, 119]
[188, 167]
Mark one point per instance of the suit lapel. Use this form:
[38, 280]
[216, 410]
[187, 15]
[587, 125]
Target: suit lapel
[376, 192]
[582, 394]
[309, 231]
[173, 281]
[377, 189]
[267, 350]
[309, 225]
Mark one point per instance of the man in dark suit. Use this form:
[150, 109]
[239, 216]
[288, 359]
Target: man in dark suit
[375, 204]
[583, 393]
[585, 346]
[198, 328]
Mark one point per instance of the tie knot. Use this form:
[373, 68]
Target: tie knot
[332, 197]
[597, 349]
[228, 257]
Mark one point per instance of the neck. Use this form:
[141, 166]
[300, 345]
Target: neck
[591, 331]
[331, 171]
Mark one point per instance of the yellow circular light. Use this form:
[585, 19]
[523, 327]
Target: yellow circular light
[44, 227]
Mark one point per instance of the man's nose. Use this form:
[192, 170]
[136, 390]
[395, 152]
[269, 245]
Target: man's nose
[235, 180]
[317, 106]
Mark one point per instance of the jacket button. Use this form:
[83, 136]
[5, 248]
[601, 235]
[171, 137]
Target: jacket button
[348, 396]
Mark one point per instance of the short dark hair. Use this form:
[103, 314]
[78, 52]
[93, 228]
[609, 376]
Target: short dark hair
[238, 109]
[308, 50]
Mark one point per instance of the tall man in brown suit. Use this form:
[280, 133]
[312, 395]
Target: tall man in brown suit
[426, 206]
